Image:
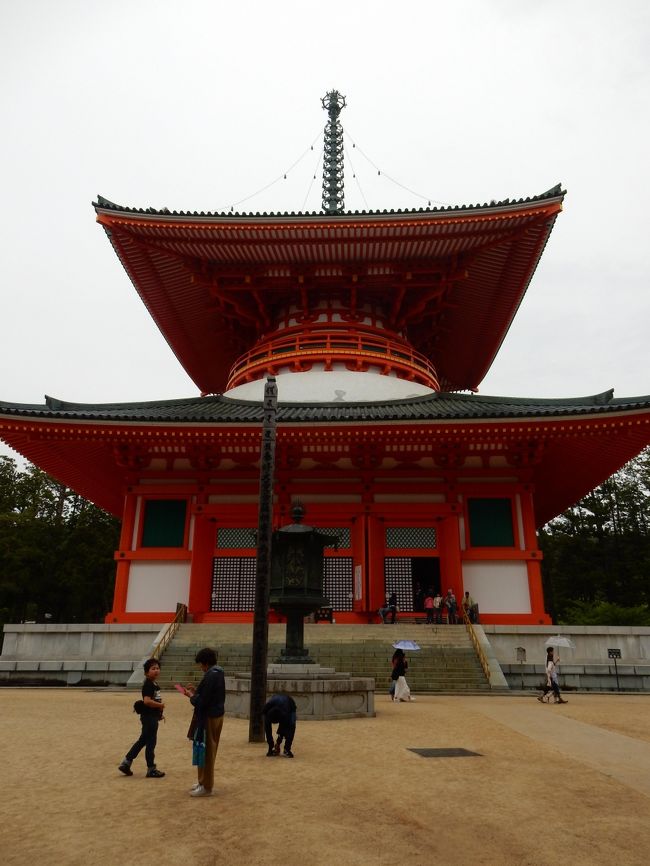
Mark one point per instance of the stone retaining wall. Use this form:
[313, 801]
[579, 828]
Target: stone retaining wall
[72, 654]
[587, 667]
[75, 654]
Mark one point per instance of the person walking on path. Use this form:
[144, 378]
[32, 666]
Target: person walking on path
[208, 700]
[150, 716]
[400, 666]
[552, 683]
[398, 655]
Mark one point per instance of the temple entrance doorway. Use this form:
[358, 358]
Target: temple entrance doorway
[411, 577]
[425, 575]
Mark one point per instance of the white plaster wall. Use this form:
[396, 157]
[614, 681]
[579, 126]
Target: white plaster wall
[157, 586]
[335, 386]
[498, 586]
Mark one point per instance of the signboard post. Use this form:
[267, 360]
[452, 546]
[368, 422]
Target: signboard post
[615, 653]
[263, 575]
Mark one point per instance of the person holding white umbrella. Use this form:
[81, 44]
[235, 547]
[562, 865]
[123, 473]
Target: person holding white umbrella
[552, 683]
[400, 663]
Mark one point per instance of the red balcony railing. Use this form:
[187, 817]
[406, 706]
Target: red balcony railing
[359, 349]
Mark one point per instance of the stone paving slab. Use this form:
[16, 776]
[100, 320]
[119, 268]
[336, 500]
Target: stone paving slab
[621, 757]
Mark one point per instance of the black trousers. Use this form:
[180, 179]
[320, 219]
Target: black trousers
[286, 732]
[147, 740]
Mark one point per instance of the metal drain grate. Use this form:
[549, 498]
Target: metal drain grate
[445, 753]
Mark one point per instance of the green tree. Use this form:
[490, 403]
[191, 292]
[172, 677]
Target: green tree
[597, 553]
[56, 550]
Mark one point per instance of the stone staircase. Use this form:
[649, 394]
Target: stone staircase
[446, 661]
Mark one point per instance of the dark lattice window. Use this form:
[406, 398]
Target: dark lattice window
[421, 537]
[398, 575]
[337, 581]
[236, 536]
[164, 523]
[343, 533]
[233, 583]
[490, 522]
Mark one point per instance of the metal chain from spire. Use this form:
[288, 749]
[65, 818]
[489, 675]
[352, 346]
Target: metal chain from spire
[333, 191]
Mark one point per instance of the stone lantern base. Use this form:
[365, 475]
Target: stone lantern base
[319, 693]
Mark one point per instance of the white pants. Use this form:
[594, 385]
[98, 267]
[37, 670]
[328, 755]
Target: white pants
[402, 691]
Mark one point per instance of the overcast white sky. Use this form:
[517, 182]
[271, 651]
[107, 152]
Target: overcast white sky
[196, 105]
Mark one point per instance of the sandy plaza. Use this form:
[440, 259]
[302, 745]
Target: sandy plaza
[545, 784]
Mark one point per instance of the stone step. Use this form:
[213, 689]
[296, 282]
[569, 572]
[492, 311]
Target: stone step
[446, 661]
[378, 664]
[221, 633]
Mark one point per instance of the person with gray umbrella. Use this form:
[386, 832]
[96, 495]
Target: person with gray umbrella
[552, 684]
[401, 691]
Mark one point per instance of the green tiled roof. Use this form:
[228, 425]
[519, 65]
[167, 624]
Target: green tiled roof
[219, 409]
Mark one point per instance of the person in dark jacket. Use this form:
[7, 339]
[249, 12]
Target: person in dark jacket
[280, 709]
[400, 690]
[208, 700]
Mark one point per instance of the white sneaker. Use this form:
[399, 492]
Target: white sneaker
[200, 791]
[194, 787]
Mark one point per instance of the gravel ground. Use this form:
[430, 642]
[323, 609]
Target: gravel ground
[548, 784]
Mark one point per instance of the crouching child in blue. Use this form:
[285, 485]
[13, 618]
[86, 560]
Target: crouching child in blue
[152, 713]
[280, 709]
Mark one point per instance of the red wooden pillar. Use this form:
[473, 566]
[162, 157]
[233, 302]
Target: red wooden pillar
[535, 588]
[528, 517]
[451, 571]
[203, 545]
[121, 589]
[537, 612]
[360, 588]
[376, 544]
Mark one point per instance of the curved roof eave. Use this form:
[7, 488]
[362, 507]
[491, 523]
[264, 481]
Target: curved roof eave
[585, 439]
[220, 409]
[104, 204]
[177, 260]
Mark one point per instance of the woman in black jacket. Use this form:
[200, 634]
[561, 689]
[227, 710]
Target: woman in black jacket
[400, 666]
[208, 700]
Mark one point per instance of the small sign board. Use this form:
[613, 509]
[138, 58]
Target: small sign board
[614, 653]
[357, 583]
[521, 654]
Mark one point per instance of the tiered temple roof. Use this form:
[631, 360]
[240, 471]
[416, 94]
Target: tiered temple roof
[450, 279]
[447, 280]
[566, 446]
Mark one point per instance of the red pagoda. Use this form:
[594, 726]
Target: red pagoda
[378, 327]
